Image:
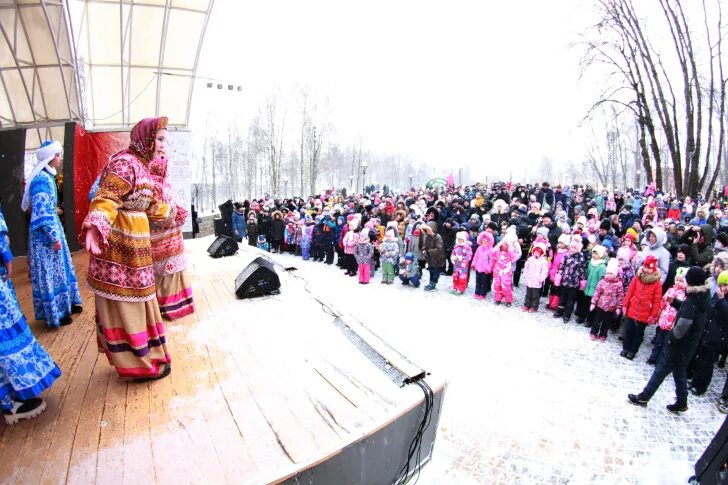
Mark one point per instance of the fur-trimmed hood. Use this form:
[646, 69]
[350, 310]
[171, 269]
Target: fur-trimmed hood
[692, 290]
[720, 258]
[648, 278]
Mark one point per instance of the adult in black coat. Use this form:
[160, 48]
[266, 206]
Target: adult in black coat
[448, 232]
[555, 231]
[546, 195]
[278, 228]
[712, 344]
[265, 225]
[681, 343]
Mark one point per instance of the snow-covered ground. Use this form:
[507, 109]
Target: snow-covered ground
[530, 399]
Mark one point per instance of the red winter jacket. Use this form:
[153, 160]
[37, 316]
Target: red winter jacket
[673, 214]
[642, 303]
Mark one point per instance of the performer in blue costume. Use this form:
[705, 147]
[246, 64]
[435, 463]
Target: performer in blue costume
[26, 369]
[55, 288]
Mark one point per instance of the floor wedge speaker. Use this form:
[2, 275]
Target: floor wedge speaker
[223, 246]
[258, 279]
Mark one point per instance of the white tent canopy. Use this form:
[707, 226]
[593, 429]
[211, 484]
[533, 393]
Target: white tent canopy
[38, 83]
[103, 63]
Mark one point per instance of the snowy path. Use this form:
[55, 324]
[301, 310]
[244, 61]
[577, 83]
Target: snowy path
[530, 399]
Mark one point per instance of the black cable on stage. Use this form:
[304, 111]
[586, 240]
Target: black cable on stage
[415, 448]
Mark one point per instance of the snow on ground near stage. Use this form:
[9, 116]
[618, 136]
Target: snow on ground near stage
[530, 399]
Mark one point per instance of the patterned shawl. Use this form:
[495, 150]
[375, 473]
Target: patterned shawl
[142, 138]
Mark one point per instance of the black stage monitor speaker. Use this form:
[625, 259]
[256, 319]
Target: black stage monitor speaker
[259, 278]
[710, 468]
[223, 246]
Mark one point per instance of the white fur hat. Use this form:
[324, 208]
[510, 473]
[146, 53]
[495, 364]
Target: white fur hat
[612, 267]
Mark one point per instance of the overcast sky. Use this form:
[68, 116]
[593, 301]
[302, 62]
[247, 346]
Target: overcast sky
[490, 85]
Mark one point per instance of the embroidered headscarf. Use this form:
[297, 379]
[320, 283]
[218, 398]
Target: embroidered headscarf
[44, 155]
[143, 135]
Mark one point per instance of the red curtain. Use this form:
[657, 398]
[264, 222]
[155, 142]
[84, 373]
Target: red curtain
[91, 152]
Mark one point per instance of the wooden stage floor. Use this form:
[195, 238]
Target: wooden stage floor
[259, 390]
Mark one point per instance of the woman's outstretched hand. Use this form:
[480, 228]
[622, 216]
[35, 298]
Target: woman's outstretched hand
[93, 238]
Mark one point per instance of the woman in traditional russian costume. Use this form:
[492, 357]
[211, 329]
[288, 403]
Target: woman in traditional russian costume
[26, 369]
[174, 291]
[128, 322]
[55, 288]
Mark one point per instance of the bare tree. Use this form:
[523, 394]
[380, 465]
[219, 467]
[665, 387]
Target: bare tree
[640, 83]
[272, 128]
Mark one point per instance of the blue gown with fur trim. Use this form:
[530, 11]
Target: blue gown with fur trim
[55, 288]
[26, 369]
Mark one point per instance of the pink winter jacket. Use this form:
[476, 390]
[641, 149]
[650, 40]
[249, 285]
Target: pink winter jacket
[558, 257]
[503, 261]
[350, 241]
[483, 257]
[535, 271]
[667, 312]
[609, 293]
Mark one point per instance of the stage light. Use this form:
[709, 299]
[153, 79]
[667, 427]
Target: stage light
[230, 87]
[240, 89]
[219, 86]
[209, 85]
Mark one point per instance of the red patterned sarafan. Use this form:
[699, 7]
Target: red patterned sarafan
[167, 241]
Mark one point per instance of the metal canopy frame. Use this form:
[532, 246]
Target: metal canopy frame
[50, 72]
[129, 94]
[29, 97]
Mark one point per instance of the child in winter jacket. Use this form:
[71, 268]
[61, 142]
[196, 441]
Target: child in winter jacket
[668, 313]
[606, 303]
[364, 254]
[240, 228]
[571, 277]
[627, 249]
[350, 242]
[263, 244]
[306, 238]
[409, 271]
[627, 273]
[389, 255]
[252, 229]
[535, 272]
[461, 256]
[505, 256]
[299, 235]
[483, 264]
[641, 306]
[289, 236]
[562, 248]
[595, 272]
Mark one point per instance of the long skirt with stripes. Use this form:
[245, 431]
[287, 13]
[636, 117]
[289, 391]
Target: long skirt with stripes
[174, 294]
[131, 334]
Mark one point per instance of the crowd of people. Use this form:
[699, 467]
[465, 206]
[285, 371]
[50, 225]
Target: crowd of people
[614, 261]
